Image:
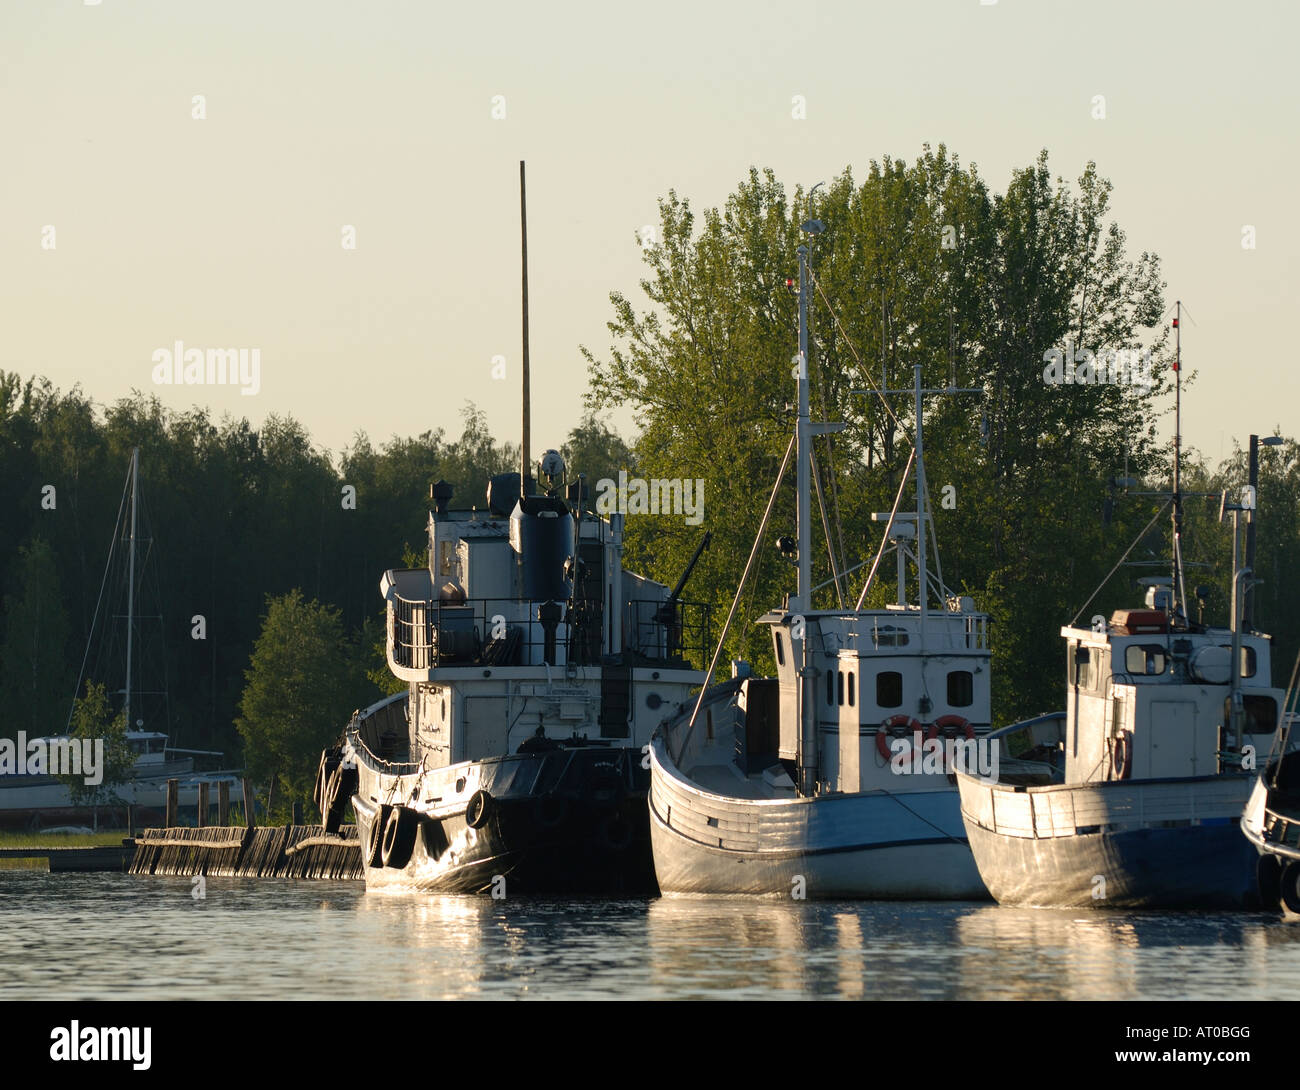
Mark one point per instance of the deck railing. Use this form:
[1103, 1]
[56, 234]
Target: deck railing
[424, 634]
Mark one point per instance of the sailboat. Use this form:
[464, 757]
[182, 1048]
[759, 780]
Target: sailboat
[40, 798]
[831, 779]
[536, 667]
[1145, 774]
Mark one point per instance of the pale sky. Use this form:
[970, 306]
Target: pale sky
[227, 232]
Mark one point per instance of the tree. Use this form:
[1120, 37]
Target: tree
[303, 680]
[35, 677]
[93, 721]
[918, 264]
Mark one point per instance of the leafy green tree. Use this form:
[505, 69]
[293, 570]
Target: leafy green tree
[919, 263]
[302, 682]
[93, 720]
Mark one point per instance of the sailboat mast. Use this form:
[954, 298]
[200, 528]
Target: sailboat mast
[804, 452]
[130, 593]
[523, 229]
[1180, 605]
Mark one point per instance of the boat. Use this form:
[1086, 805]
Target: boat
[1271, 820]
[1141, 782]
[832, 779]
[535, 667]
[30, 796]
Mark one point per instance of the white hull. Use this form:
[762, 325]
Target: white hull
[1114, 844]
[871, 844]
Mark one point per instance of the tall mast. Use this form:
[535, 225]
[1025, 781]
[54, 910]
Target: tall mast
[808, 746]
[130, 594]
[920, 506]
[523, 229]
[804, 444]
[1180, 601]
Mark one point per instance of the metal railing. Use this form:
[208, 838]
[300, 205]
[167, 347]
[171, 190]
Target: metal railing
[424, 634]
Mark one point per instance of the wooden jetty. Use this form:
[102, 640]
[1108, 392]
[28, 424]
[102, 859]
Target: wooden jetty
[283, 851]
[247, 851]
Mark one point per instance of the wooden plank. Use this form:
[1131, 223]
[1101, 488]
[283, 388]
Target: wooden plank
[203, 805]
[248, 804]
[173, 801]
[223, 802]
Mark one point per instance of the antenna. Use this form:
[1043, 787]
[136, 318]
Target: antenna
[1180, 600]
[523, 230]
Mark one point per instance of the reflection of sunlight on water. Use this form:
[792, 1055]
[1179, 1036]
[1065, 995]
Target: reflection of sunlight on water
[849, 927]
[1057, 954]
[728, 946]
[148, 938]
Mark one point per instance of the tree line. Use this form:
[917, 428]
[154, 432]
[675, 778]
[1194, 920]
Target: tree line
[255, 545]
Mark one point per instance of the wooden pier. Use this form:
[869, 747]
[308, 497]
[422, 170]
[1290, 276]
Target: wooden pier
[247, 851]
[282, 851]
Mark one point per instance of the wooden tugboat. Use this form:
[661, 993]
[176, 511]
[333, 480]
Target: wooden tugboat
[536, 668]
[813, 783]
[1139, 804]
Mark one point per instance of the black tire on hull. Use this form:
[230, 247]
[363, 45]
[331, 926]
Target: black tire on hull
[375, 841]
[1291, 887]
[1268, 873]
[605, 789]
[478, 812]
[615, 834]
[552, 811]
[399, 837]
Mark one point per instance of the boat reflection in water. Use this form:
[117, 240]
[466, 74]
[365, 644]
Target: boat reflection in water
[1063, 954]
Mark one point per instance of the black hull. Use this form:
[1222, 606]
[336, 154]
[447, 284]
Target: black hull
[571, 822]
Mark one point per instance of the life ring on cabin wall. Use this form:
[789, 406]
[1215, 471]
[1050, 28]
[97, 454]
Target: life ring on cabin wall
[1121, 755]
[950, 728]
[896, 726]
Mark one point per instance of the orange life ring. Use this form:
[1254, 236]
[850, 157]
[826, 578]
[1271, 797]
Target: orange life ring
[949, 727]
[1121, 755]
[896, 726]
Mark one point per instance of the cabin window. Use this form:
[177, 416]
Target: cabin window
[839, 674]
[889, 689]
[446, 557]
[830, 687]
[1080, 667]
[889, 636]
[1261, 714]
[961, 689]
[1247, 659]
[850, 688]
[1146, 658]
[780, 649]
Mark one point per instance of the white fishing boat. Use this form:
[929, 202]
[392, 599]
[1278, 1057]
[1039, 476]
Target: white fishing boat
[1271, 821]
[536, 667]
[833, 778]
[1140, 804]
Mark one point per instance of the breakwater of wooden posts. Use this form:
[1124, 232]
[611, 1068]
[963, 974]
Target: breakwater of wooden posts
[250, 851]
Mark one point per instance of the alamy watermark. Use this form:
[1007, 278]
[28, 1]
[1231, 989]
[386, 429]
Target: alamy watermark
[53, 757]
[183, 366]
[1108, 367]
[920, 756]
[635, 496]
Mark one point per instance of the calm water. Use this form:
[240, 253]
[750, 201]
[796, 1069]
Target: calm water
[99, 936]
